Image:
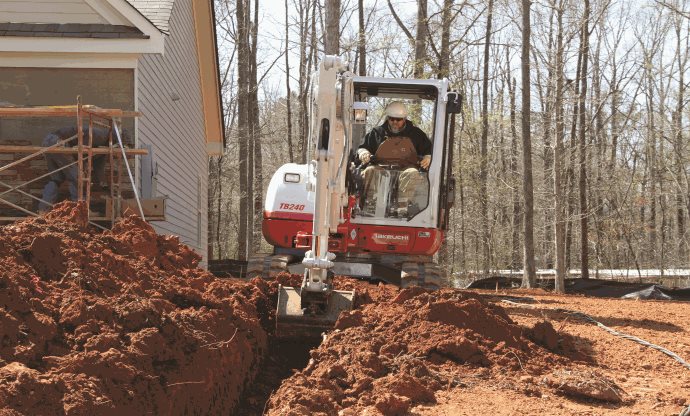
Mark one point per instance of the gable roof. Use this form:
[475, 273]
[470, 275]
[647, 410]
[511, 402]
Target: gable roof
[71, 30]
[155, 11]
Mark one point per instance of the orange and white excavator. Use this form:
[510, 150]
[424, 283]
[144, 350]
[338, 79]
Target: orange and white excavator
[321, 222]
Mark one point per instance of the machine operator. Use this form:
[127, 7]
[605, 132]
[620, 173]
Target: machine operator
[398, 142]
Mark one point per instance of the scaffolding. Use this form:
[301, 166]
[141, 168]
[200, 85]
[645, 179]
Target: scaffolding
[84, 150]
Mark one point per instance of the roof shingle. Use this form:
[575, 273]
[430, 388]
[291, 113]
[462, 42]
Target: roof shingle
[156, 11]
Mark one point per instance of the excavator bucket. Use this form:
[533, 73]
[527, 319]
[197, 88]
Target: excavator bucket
[294, 322]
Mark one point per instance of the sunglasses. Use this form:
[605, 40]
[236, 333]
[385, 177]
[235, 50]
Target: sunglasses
[396, 118]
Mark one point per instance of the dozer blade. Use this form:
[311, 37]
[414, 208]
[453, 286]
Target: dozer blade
[293, 323]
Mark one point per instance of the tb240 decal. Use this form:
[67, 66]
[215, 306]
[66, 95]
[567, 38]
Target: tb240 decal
[292, 207]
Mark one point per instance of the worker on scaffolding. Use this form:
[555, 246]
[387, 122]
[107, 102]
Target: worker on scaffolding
[63, 166]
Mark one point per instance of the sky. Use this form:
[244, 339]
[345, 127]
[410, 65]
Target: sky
[272, 32]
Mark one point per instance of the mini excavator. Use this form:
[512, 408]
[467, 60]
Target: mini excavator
[321, 222]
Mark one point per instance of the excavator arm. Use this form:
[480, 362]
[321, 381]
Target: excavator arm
[314, 307]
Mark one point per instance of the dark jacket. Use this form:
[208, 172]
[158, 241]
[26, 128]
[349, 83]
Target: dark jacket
[100, 135]
[377, 135]
[55, 160]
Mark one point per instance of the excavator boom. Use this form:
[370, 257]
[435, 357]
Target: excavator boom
[315, 306]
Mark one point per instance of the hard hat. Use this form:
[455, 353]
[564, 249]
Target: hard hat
[396, 109]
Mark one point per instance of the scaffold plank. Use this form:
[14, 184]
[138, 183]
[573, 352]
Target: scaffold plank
[68, 150]
[64, 111]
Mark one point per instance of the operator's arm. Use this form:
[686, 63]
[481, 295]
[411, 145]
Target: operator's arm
[424, 149]
[368, 147]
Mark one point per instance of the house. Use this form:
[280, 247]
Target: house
[157, 57]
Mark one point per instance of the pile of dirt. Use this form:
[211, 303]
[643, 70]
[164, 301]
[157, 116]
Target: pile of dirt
[123, 322]
[392, 354]
[120, 322]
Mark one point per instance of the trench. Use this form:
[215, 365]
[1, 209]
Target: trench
[282, 361]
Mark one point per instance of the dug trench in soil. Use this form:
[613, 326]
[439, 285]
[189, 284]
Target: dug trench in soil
[285, 357]
[121, 322]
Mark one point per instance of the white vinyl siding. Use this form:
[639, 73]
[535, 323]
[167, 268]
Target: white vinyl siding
[169, 96]
[48, 11]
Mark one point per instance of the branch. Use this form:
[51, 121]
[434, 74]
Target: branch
[282, 53]
[433, 45]
[673, 8]
[400, 23]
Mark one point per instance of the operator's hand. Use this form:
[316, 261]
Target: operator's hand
[425, 162]
[364, 156]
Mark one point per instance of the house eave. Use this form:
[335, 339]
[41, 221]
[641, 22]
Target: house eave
[155, 44]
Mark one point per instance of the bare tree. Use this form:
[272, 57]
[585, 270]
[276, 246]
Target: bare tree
[529, 277]
[243, 129]
[678, 142]
[559, 194]
[515, 194]
[288, 95]
[582, 183]
[420, 55]
[361, 40]
[444, 55]
[255, 185]
[483, 175]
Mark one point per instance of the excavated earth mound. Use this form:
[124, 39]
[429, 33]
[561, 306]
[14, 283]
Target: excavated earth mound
[120, 322]
[390, 355]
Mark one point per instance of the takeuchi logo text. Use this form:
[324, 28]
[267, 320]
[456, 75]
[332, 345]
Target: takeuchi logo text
[391, 238]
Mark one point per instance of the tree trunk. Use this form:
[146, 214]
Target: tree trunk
[420, 40]
[558, 162]
[443, 70]
[461, 182]
[332, 33]
[361, 40]
[303, 76]
[288, 97]
[515, 182]
[446, 21]
[678, 146]
[547, 106]
[257, 180]
[483, 161]
[529, 277]
[598, 157]
[584, 211]
[570, 171]
[243, 74]
[651, 162]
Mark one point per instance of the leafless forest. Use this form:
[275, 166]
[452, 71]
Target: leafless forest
[573, 144]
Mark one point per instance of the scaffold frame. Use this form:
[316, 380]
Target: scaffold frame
[116, 152]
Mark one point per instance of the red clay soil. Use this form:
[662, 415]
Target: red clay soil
[123, 322]
[456, 352]
[120, 322]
